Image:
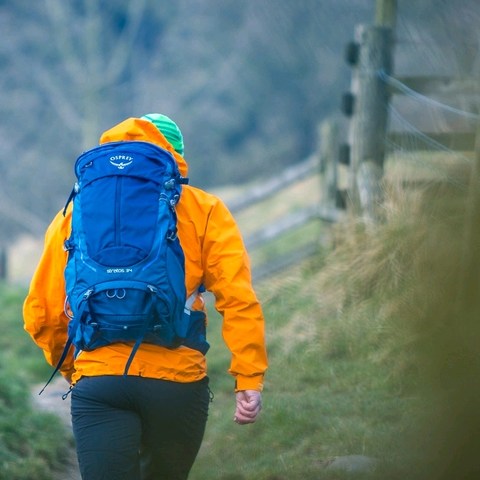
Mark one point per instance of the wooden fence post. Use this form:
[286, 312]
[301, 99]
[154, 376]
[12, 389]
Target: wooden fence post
[328, 152]
[368, 126]
[386, 13]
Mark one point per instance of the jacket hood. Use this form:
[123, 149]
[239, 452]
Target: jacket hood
[136, 129]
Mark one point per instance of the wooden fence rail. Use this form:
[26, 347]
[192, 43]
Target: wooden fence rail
[291, 222]
[322, 164]
[271, 187]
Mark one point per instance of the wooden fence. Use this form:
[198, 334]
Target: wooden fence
[367, 106]
[369, 109]
[328, 209]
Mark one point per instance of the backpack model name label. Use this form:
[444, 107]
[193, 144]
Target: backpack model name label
[119, 270]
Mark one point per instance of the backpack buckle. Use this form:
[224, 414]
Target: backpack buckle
[172, 235]
[170, 184]
[87, 294]
[174, 200]
[67, 245]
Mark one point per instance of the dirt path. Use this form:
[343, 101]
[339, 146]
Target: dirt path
[51, 401]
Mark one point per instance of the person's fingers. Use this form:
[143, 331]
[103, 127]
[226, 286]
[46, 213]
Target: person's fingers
[243, 419]
[248, 407]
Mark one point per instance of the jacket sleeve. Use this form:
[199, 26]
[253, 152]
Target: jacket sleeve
[228, 277]
[43, 309]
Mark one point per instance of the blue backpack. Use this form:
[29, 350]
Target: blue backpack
[125, 274]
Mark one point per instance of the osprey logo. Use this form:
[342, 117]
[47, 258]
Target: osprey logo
[121, 161]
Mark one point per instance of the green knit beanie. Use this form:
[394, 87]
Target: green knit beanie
[168, 128]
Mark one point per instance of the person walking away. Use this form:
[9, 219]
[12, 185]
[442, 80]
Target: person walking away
[149, 423]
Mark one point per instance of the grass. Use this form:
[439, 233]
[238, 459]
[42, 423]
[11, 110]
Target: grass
[373, 351]
[319, 403]
[287, 243]
[15, 344]
[32, 444]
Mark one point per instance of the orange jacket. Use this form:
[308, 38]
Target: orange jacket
[215, 256]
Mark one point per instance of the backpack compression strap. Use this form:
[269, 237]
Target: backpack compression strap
[60, 362]
[68, 345]
[140, 337]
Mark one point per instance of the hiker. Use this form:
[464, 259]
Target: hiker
[149, 423]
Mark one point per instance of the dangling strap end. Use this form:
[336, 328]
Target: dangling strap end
[60, 363]
[133, 352]
[70, 198]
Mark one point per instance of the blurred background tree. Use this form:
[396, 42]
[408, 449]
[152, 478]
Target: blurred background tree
[248, 82]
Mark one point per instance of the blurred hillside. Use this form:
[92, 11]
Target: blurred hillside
[248, 82]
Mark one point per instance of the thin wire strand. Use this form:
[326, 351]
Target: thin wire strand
[422, 98]
[417, 134]
[421, 135]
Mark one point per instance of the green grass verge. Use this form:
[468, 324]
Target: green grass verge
[319, 403]
[32, 444]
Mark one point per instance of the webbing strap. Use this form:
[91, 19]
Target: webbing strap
[68, 345]
[70, 198]
[134, 350]
[60, 362]
[140, 337]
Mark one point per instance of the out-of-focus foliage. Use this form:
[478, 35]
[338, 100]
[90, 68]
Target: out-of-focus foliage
[248, 82]
[32, 444]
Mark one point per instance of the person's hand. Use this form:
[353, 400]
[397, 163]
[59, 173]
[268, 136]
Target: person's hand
[249, 404]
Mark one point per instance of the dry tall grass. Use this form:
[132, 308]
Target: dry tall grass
[407, 293]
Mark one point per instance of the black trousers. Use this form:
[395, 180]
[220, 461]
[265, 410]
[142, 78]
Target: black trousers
[134, 428]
